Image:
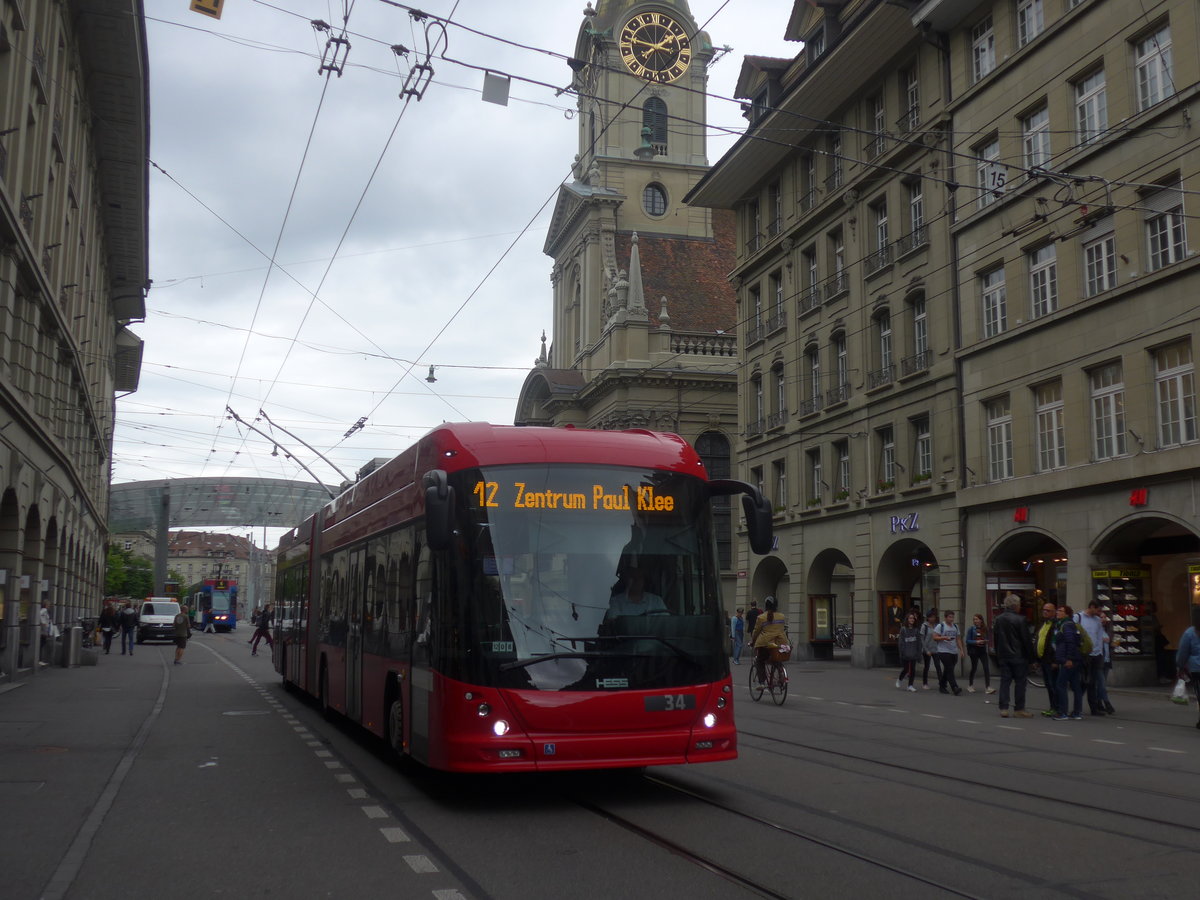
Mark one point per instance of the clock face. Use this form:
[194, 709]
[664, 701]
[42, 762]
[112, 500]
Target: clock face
[656, 47]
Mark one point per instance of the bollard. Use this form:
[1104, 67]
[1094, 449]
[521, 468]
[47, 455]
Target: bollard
[72, 645]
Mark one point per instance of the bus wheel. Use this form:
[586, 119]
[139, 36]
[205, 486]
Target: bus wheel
[395, 720]
[323, 693]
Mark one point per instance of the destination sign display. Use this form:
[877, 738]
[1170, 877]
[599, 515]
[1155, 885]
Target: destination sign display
[598, 497]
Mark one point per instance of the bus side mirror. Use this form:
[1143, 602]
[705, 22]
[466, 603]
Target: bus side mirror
[439, 505]
[759, 515]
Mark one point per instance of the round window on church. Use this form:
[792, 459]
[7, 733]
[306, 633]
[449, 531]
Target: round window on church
[654, 200]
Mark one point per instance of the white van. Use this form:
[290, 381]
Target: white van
[157, 619]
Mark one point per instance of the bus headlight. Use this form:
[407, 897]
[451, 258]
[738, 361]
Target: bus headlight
[721, 702]
[710, 720]
[484, 710]
[500, 727]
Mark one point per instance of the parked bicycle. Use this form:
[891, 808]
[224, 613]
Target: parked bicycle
[843, 636]
[777, 677]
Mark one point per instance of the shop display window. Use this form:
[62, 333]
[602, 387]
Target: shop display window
[1122, 595]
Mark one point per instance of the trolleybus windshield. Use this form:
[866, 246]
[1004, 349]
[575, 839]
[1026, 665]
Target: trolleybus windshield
[588, 578]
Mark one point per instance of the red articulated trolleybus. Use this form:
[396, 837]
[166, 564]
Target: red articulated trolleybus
[523, 599]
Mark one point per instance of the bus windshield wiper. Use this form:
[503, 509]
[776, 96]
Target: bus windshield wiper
[588, 654]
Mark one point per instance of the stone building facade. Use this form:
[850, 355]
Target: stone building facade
[976, 373]
[74, 143]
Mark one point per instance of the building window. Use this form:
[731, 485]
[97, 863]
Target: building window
[1108, 411]
[983, 49]
[1035, 138]
[1175, 387]
[878, 136]
[775, 191]
[808, 169]
[922, 461]
[812, 291]
[1031, 21]
[815, 45]
[887, 459]
[1152, 61]
[837, 244]
[128, 545]
[654, 117]
[880, 215]
[776, 284]
[756, 312]
[883, 329]
[834, 144]
[760, 412]
[1051, 436]
[995, 304]
[754, 234]
[1099, 258]
[990, 174]
[780, 392]
[999, 440]
[911, 120]
[1043, 280]
[814, 477]
[1166, 233]
[841, 487]
[654, 200]
[756, 478]
[920, 327]
[813, 358]
[1091, 108]
[841, 363]
[916, 206]
[779, 470]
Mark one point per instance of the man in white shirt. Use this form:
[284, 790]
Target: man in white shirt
[1093, 672]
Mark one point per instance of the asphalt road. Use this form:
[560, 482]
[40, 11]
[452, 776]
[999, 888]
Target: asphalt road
[138, 778]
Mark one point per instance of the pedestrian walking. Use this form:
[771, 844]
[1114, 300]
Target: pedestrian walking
[1187, 657]
[977, 651]
[183, 630]
[1014, 654]
[752, 615]
[909, 643]
[129, 620]
[108, 625]
[949, 648]
[737, 632]
[1068, 654]
[1093, 663]
[929, 649]
[263, 628]
[1102, 685]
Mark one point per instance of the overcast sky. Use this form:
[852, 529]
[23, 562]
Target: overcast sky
[388, 260]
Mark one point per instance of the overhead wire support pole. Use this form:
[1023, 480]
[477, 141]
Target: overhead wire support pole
[289, 455]
[312, 449]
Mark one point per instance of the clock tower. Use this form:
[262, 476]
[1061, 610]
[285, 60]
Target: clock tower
[644, 316]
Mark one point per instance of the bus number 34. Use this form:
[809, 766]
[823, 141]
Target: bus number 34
[670, 702]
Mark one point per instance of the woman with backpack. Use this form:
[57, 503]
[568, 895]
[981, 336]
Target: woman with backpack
[1068, 654]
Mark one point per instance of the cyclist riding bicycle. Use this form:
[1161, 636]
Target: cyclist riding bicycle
[770, 630]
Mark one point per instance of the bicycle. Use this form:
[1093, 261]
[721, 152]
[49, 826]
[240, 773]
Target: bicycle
[843, 636]
[776, 683]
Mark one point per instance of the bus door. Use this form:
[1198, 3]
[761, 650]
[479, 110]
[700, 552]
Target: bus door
[356, 597]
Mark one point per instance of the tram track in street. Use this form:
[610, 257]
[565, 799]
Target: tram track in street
[750, 882]
[975, 783]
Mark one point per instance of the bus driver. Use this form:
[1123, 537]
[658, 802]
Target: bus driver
[630, 597]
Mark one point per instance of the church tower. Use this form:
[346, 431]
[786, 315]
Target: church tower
[643, 329]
